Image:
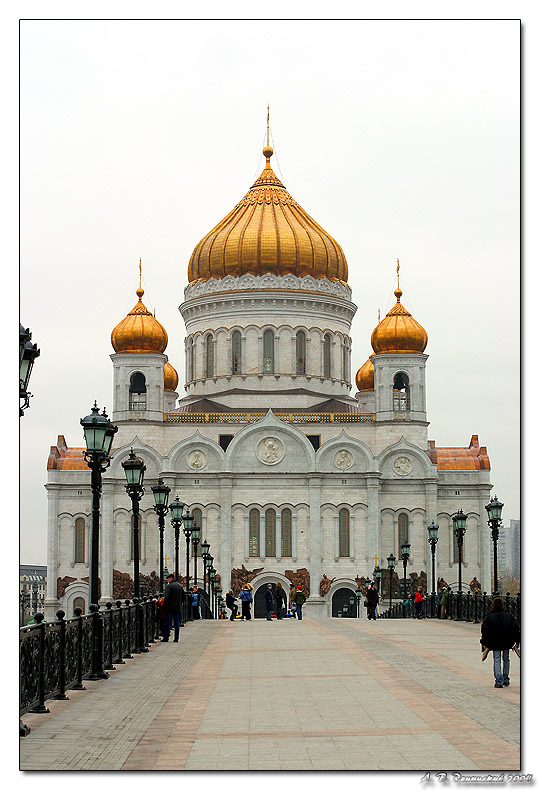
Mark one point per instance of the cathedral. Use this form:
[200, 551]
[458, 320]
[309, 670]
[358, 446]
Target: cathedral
[294, 468]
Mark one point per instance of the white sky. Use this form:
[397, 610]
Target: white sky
[401, 138]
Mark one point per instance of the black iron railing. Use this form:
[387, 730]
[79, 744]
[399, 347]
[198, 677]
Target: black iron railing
[468, 607]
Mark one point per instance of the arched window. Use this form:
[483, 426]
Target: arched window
[236, 341]
[254, 533]
[327, 344]
[197, 519]
[190, 361]
[131, 542]
[79, 602]
[286, 533]
[300, 353]
[401, 392]
[403, 530]
[80, 528]
[209, 356]
[344, 361]
[270, 533]
[344, 533]
[137, 392]
[268, 351]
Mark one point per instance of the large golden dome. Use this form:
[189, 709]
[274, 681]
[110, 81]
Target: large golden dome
[365, 377]
[267, 231]
[139, 332]
[399, 332]
[170, 377]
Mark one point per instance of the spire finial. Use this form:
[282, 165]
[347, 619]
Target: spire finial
[397, 269]
[268, 150]
[140, 290]
[397, 292]
[379, 315]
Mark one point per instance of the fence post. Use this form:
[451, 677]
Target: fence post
[40, 707]
[128, 629]
[97, 645]
[109, 664]
[79, 684]
[62, 691]
[120, 639]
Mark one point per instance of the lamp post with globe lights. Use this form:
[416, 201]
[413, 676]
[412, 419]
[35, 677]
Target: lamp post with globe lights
[134, 469]
[391, 560]
[433, 537]
[161, 498]
[494, 511]
[460, 527]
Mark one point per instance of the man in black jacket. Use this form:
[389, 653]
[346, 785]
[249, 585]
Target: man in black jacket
[500, 632]
[230, 603]
[174, 596]
[372, 600]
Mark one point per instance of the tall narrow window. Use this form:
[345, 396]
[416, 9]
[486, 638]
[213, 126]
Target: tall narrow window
[300, 353]
[403, 529]
[270, 533]
[268, 351]
[79, 602]
[344, 361]
[254, 533]
[137, 392]
[236, 341]
[190, 361]
[197, 519]
[286, 533]
[80, 527]
[401, 392]
[344, 533]
[209, 356]
[131, 542]
[326, 356]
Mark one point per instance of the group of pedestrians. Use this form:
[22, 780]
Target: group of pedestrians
[170, 607]
[277, 603]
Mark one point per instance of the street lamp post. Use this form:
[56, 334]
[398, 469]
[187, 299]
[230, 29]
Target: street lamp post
[195, 540]
[358, 592]
[176, 509]
[494, 511]
[377, 575]
[161, 498]
[460, 527]
[405, 553]
[134, 469]
[98, 434]
[391, 560]
[187, 518]
[28, 353]
[433, 537]
[205, 551]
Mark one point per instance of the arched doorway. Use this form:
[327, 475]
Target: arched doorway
[259, 607]
[343, 597]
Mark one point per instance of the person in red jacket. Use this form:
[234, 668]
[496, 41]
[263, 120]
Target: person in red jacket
[418, 604]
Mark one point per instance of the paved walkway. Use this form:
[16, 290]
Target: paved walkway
[312, 695]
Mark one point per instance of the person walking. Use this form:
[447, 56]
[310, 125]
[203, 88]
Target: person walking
[372, 600]
[292, 593]
[500, 632]
[281, 601]
[299, 599]
[195, 603]
[419, 603]
[438, 600]
[444, 603]
[230, 602]
[269, 600]
[172, 604]
[246, 598]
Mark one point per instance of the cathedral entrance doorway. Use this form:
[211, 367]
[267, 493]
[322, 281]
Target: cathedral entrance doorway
[341, 598]
[259, 607]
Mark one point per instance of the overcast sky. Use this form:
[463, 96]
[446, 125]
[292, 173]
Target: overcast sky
[401, 138]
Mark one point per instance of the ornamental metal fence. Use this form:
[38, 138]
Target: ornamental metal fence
[466, 607]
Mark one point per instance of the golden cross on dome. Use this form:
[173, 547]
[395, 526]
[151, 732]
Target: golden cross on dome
[165, 559]
[268, 125]
[376, 558]
[398, 273]
[140, 272]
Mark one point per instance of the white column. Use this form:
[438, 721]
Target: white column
[106, 540]
[431, 515]
[51, 600]
[315, 537]
[225, 562]
[373, 533]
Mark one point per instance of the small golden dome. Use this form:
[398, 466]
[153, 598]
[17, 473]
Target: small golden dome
[139, 332]
[365, 378]
[399, 332]
[170, 377]
[267, 231]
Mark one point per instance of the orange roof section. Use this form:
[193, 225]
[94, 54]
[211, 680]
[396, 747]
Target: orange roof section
[64, 457]
[472, 457]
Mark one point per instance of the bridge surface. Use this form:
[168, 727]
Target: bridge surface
[313, 695]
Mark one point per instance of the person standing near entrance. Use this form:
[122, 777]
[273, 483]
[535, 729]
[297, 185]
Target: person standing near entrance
[230, 602]
[281, 601]
[299, 599]
[269, 600]
[372, 600]
[246, 597]
[500, 632]
[419, 603]
[292, 593]
[172, 605]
